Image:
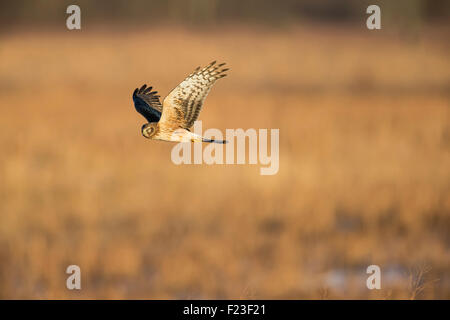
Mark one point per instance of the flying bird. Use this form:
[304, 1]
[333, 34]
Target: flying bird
[172, 120]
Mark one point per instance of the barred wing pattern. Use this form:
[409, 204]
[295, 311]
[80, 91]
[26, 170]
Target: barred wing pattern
[147, 103]
[183, 104]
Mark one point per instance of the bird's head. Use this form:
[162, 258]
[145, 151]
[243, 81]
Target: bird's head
[148, 130]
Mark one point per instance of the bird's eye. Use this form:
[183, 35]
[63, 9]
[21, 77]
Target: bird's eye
[150, 130]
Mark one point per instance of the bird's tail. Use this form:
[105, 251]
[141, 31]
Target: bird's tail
[214, 141]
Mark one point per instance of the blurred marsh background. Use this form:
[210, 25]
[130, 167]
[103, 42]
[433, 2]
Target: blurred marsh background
[364, 119]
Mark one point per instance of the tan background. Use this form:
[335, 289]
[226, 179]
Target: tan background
[364, 121]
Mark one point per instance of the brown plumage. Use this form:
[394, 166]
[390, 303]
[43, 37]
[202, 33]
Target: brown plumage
[171, 120]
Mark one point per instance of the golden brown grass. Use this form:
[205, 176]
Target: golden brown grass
[364, 174]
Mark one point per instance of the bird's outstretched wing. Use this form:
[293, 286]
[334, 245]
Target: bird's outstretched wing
[147, 103]
[183, 104]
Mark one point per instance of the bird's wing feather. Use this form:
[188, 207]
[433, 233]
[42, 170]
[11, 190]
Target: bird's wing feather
[183, 104]
[147, 103]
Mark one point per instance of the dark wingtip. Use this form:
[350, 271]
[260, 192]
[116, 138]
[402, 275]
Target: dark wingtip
[146, 91]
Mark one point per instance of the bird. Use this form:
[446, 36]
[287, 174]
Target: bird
[173, 119]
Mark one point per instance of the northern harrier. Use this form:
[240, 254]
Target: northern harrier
[171, 120]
